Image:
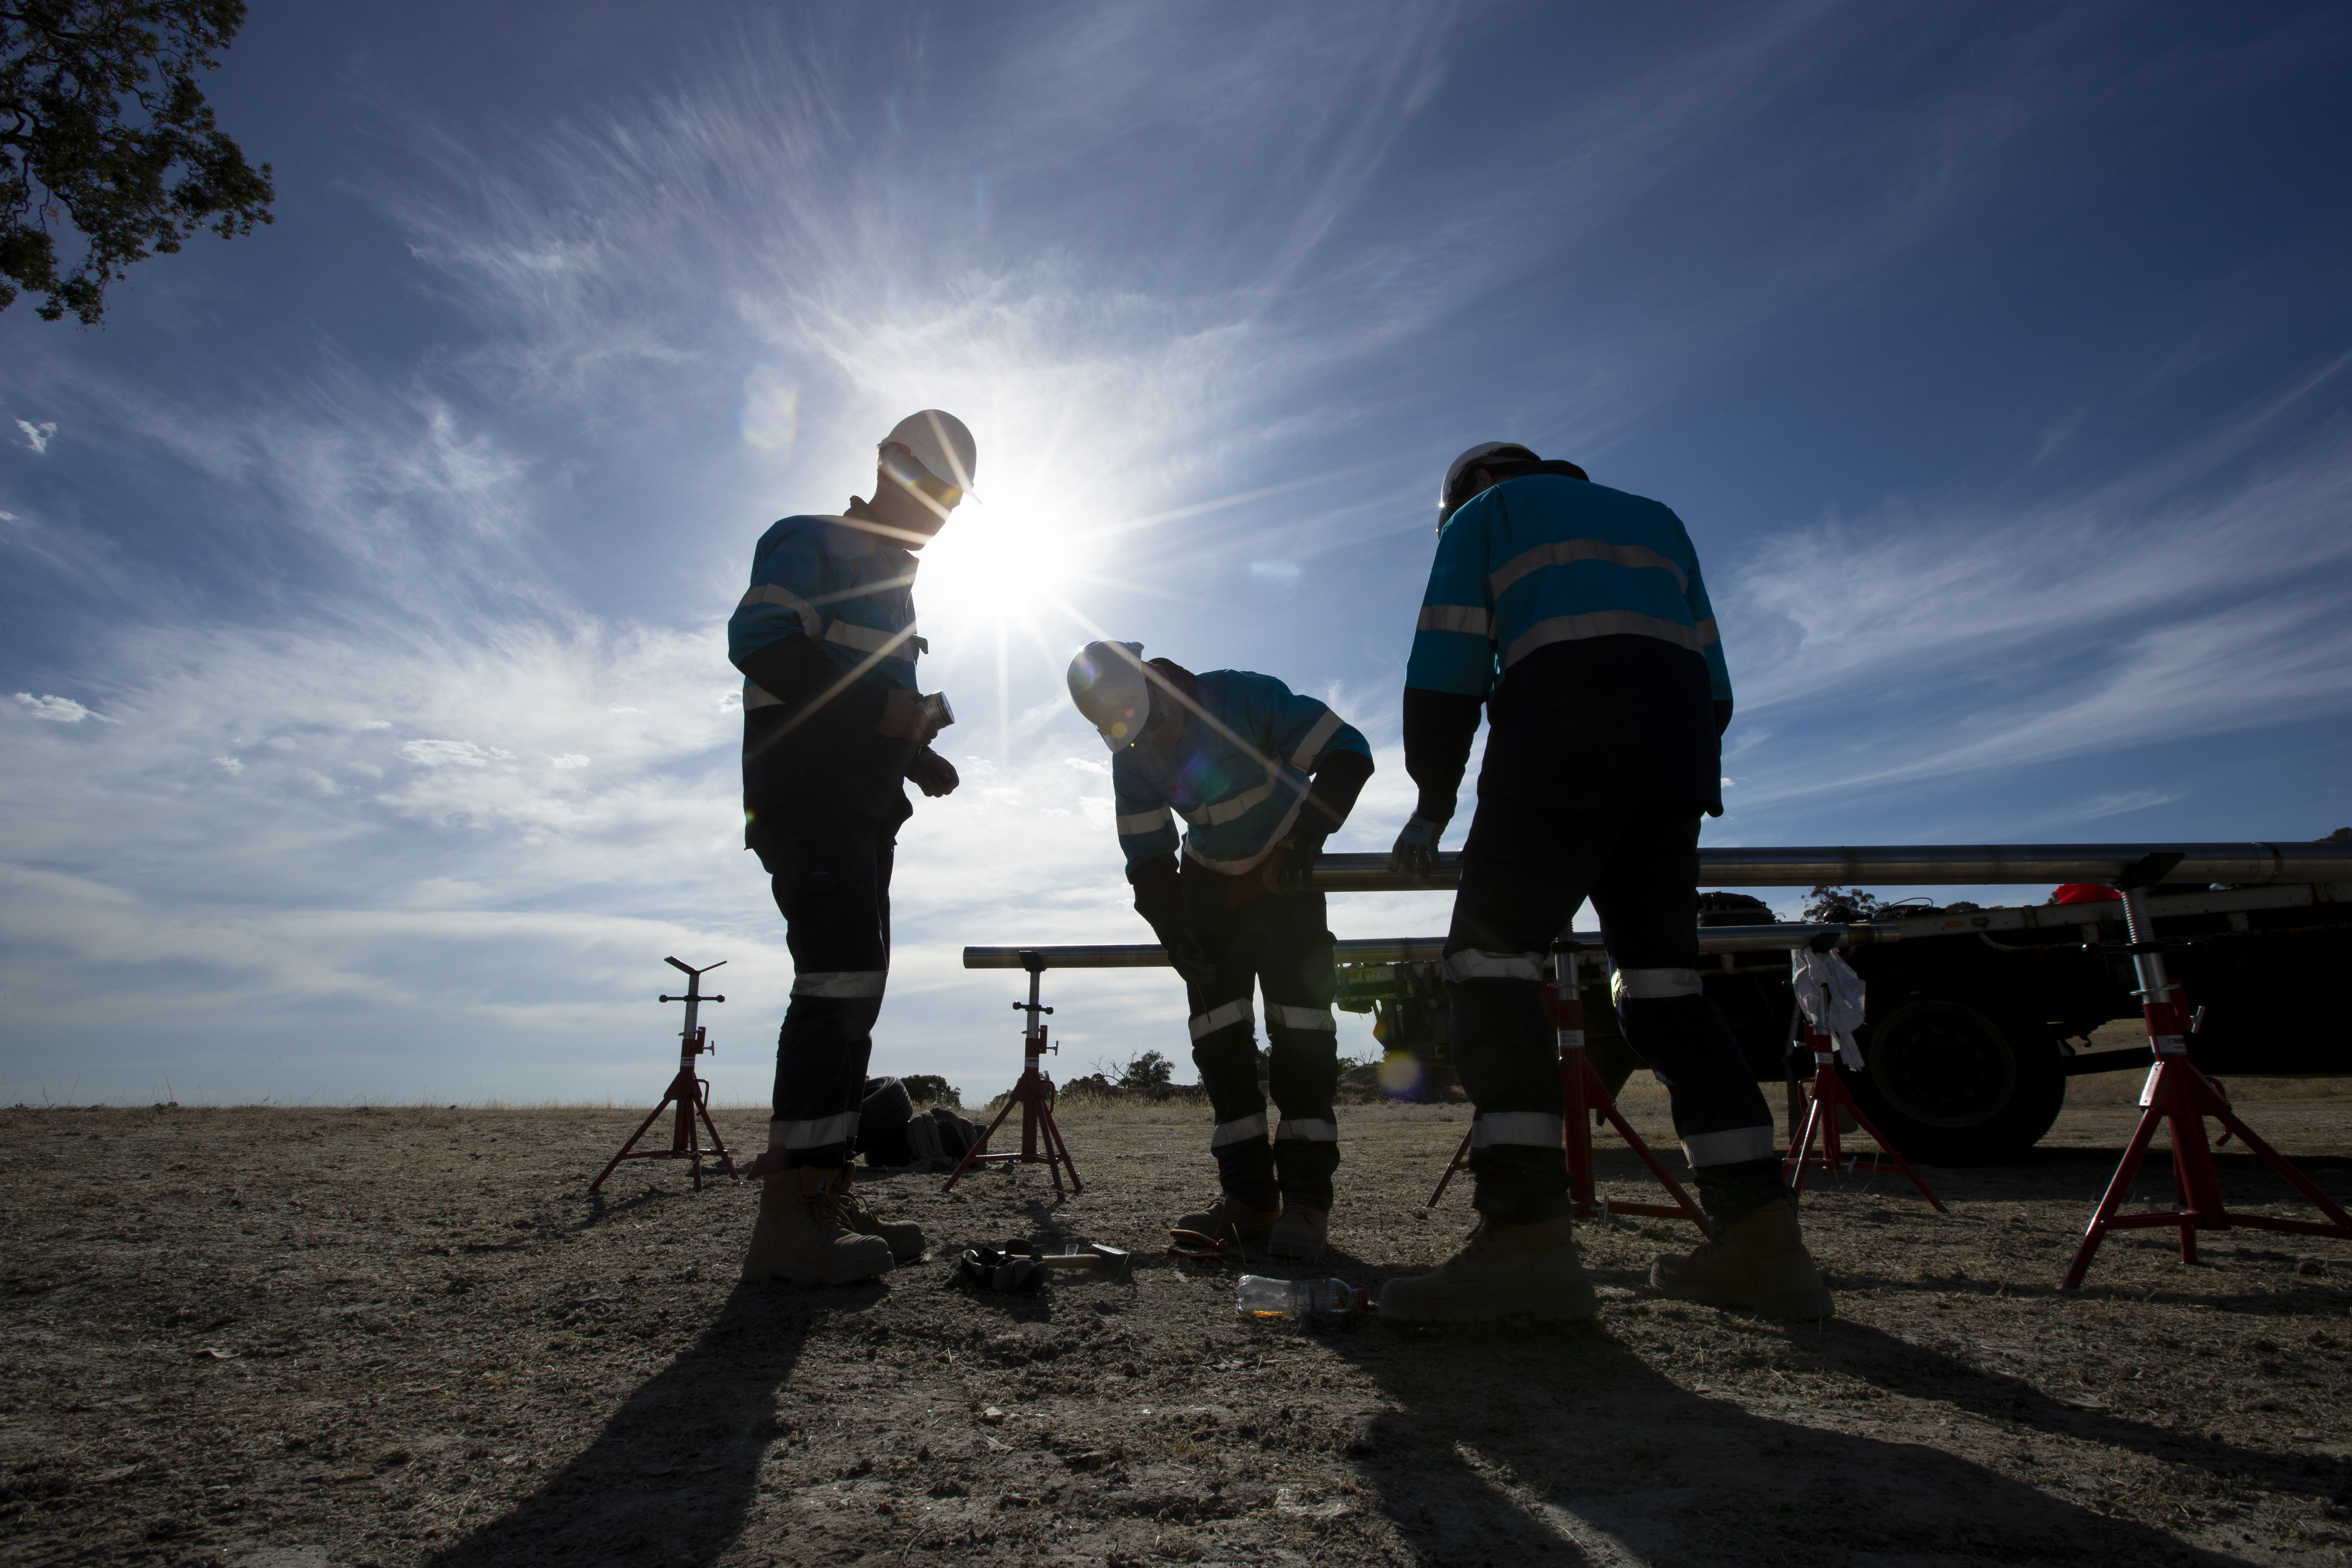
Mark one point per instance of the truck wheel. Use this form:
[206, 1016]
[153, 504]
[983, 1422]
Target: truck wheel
[1958, 1082]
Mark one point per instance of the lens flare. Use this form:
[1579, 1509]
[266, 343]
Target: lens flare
[1402, 1076]
[771, 415]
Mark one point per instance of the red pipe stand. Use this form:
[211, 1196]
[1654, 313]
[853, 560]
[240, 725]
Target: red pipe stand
[1583, 1095]
[1829, 1094]
[1034, 1093]
[687, 1091]
[2181, 1096]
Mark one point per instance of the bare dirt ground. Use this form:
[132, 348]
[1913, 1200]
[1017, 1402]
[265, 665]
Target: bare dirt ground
[288, 1338]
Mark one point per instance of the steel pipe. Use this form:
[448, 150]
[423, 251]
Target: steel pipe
[1925, 865]
[1419, 950]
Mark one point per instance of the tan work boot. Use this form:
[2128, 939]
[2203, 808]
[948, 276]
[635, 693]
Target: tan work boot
[1758, 1265]
[1230, 1220]
[905, 1239]
[1503, 1271]
[1301, 1233]
[797, 1239]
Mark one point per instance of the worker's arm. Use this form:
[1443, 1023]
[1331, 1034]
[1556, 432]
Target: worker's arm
[772, 637]
[1446, 681]
[1710, 640]
[1439, 729]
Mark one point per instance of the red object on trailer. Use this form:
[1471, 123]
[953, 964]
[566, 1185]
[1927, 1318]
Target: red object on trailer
[2084, 893]
[1584, 1096]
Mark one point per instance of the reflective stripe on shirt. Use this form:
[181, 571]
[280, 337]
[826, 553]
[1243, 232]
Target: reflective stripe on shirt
[1562, 551]
[1228, 808]
[1600, 623]
[1312, 746]
[1144, 822]
[868, 639]
[768, 593]
[1475, 619]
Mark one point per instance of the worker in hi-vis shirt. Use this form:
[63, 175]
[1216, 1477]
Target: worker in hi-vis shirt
[832, 725]
[1576, 617]
[1261, 776]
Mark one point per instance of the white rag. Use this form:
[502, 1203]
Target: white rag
[1819, 974]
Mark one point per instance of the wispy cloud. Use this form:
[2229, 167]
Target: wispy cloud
[38, 436]
[58, 710]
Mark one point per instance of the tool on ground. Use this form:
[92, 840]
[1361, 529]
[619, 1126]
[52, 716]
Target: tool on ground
[1258, 1295]
[1830, 1102]
[991, 1268]
[1091, 1258]
[1034, 1093]
[1585, 1096]
[690, 1093]
[2181, 1096]
[1198, 1247]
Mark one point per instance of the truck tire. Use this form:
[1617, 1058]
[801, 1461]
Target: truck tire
[1956, 1074]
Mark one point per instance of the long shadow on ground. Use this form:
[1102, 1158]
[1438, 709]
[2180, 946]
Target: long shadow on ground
[1625, 1466]
[674, 1472]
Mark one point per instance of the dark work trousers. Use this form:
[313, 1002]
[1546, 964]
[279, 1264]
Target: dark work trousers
[1282, 942]
[830, 868]
[1525, 872]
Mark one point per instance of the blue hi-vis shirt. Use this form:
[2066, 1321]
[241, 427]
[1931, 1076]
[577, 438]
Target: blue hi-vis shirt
[1579, 613]
[1238, 779]
[850, 590]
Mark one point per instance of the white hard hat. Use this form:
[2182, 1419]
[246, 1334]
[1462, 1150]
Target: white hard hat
[1107, 683]
[1468, 460]
[940, 444]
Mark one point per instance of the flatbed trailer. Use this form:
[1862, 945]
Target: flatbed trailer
[1977, 1018]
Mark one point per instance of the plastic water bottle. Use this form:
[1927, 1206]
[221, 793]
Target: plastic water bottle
[1259, 1296]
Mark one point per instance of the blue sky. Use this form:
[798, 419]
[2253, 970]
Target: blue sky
[367, 597]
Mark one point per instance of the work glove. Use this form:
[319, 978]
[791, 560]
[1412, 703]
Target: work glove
[1294, 863]
[1415, 854]
[932, 773]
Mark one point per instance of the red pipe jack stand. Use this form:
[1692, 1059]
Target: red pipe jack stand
[2179, 1094]
[690, 1092]
[1584, 1095]
[1830, 1094]
[1034, 1093]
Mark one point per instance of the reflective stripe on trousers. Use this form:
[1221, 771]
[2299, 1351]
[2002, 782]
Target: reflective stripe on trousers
[1215, 1018]
[1238, 1131]
[1471, 964]
[815, 1134]
[1652, 985]
[1728, 1147]
[1530, 1129]
[1308, 1129]
[841, 982]
[1289, 1017]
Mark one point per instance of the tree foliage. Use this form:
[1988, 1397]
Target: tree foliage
[103, 125]
[1149, 1070]
[1842, 906]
